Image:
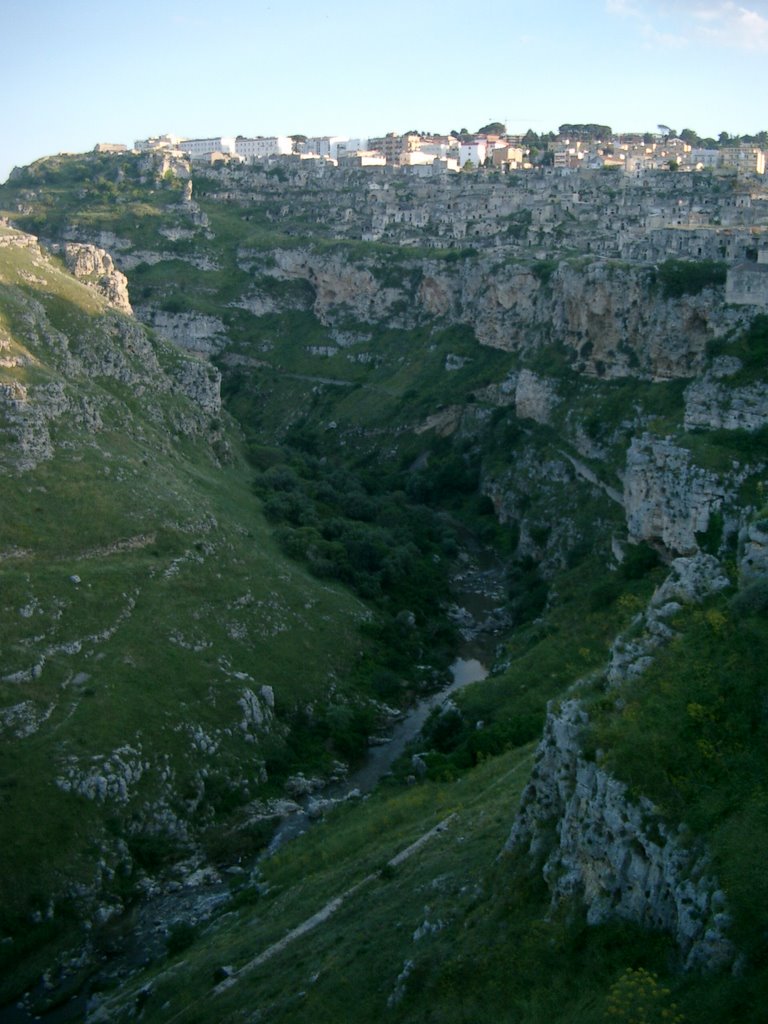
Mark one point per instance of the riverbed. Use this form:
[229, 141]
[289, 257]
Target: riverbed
[477, 597]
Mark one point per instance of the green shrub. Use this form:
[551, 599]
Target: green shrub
[639, 559]
[543, 270]
[752, 598]
[689, 277]
[180, 936]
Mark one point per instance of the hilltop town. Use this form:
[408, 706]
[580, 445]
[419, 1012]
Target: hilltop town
[574, 147]
[586, 191]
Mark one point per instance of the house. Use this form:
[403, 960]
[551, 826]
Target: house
[157, 142]
[509, 157]
[201, 149]
[744, 159]
[747, 283]
[261, 147]
[474, 150]
[362, 158]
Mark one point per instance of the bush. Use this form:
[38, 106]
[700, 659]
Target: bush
[689, 277]
[639, 559]
[752, 598]
[180, 936]
[604, 594]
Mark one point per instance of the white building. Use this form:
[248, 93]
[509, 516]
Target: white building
[155, 142]
[321, 145]
[347, 147]
[260, 147]
[362, 158]
[202, 149]
[475, 151]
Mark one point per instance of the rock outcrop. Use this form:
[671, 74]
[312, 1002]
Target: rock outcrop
[667, 498]
[612, 317]
[533, 396]
[690, 580]
[194, 332]
[614, 853]
[596, 843]
[105, 346]
[753, 543]
[711, 404]
[96, 268]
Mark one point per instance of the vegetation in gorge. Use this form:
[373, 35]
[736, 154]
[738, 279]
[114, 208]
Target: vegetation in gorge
[294, 564]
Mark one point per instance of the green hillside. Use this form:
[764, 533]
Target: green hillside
[199, 601]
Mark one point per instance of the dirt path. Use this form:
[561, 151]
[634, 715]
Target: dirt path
[329, 909]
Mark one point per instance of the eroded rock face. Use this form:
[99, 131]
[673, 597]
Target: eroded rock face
[106, 346]
[195, 332]
[753, 543]
[24, 426]
[690, 580]
[613, 319]
[712, 405]
[534, 397]
[614, 853]
[667, 498]
[201, 382]
[96, 268]
[620, 325]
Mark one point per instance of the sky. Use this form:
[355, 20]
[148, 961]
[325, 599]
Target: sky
[74, 72]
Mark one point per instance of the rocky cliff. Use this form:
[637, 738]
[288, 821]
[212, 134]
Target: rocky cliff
[96, 268]
[609, 849]
[598, 846]
[565, 408]
[109, 346]
[613, 319]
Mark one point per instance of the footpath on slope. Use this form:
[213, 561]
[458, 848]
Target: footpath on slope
[330, 908]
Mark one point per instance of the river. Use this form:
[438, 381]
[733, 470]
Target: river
[380, 756]
[476, 593]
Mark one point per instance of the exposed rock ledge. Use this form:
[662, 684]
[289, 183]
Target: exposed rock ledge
[95, 267]
[613, 853]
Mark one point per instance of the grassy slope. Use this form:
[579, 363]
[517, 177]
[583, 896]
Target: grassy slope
[531, 968]
[183, 602]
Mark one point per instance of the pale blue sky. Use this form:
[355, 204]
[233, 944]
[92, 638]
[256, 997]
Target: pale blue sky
[74, 72]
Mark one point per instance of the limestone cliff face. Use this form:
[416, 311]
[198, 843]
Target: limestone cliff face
[711, 404]
[595, 842]
[96, 268]
[197, 333]
[690, 580]
[613, 853]
[667, 498]
[105, 346]
[533, 396]
[753, 542]
[620, 325]
[611, 316]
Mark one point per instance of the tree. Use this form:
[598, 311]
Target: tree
[689, 136]
[468, 166]
[494, 128]
[586, 131]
